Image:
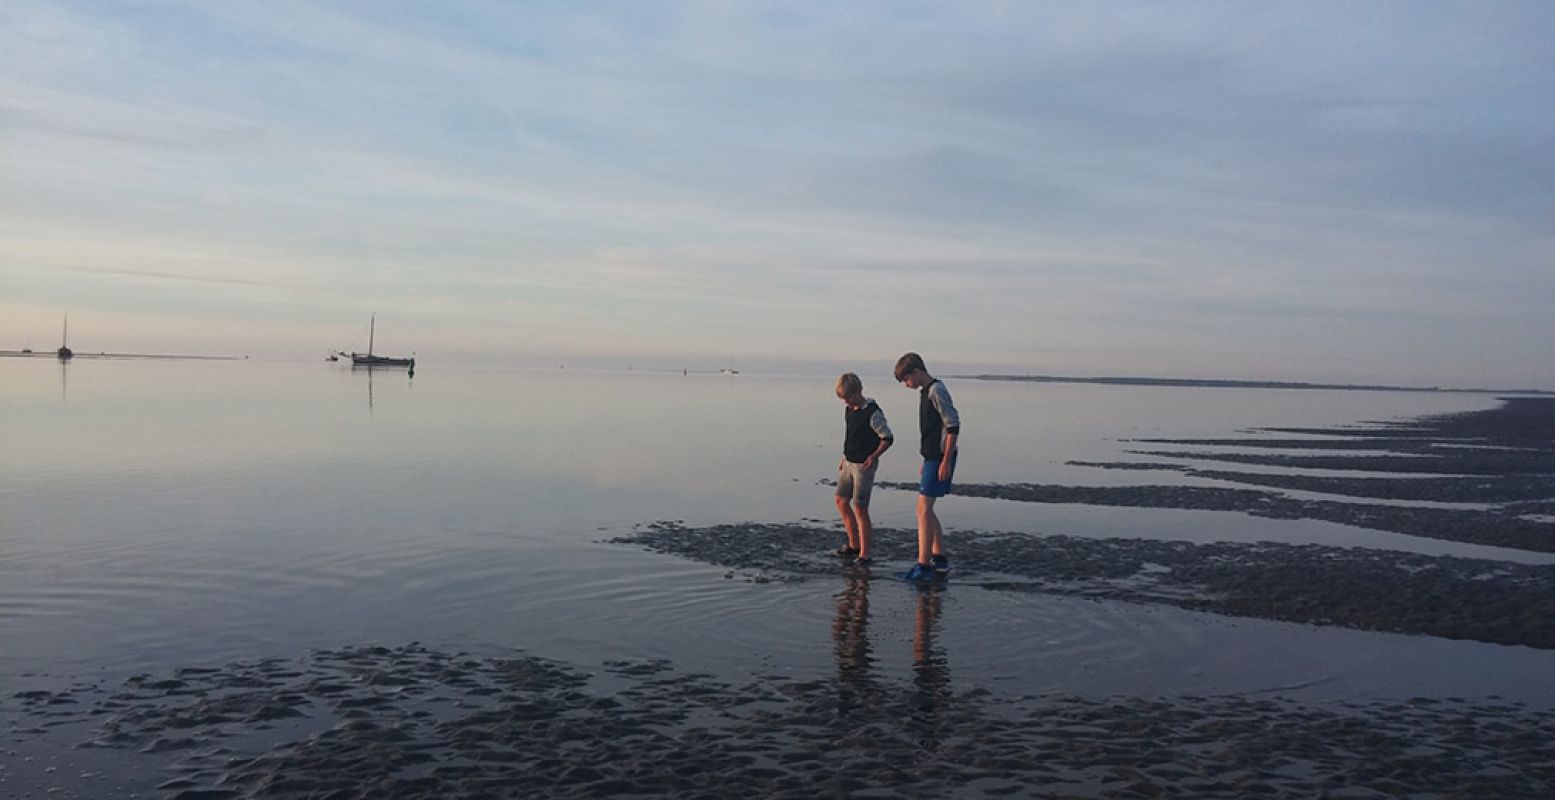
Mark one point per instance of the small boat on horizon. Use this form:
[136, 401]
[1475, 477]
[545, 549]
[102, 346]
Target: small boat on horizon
[64, 352]
[369, 359]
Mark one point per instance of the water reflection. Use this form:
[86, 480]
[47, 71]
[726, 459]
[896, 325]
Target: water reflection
[922, 707]
[856, 681]
[198, 457]
[931, 671]
[410, 381]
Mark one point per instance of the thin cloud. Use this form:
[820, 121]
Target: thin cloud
[659, 175]
[163, 276]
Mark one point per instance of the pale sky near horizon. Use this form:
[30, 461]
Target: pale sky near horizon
[1326, 191]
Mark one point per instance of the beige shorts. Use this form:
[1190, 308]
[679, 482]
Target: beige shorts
[854, 481]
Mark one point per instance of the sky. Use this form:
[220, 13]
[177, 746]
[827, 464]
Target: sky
[1324, 191]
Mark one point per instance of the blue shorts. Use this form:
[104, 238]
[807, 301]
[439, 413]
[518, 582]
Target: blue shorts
[929, 484]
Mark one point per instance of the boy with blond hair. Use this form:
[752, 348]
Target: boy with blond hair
[867, 436]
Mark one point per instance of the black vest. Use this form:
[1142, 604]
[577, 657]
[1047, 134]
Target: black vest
[861, 439]
[931, 425]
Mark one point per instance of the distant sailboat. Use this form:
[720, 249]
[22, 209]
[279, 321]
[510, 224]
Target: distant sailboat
[368, 359]
[65, 353]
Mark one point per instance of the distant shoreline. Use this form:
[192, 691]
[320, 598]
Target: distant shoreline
[53, 354]
[1209, 383]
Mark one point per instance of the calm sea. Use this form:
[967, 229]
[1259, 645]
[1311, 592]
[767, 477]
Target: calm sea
[155, 515]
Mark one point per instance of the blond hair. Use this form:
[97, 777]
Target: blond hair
[848, 383]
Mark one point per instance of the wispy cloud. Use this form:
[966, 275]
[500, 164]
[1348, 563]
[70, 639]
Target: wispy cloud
[161, 276]
[1026, 181]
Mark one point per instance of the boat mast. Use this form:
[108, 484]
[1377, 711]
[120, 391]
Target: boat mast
[64, 341]
[372, 328]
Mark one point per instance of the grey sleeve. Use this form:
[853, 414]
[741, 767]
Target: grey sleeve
[878, 423]
[940, 397]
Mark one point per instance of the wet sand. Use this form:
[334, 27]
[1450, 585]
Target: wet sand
[1494, 527]
[1377, 590]
[411, 722]
[1502, 457]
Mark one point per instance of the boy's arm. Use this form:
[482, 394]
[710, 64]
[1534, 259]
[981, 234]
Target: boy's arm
[874, 458]
[940, 397]
[883, 430]
[952, 419]
[950, 450]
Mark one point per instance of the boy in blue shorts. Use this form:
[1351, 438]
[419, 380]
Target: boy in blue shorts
[866, 437]
[939, 426]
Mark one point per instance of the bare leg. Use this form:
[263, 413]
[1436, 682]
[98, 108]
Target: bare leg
[928, 529]
[936, 533]
[849, 522]
[866, 529]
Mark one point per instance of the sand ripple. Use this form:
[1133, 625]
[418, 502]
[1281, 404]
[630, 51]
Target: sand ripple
[410, 722]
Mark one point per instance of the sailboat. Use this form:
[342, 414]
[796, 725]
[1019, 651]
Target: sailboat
[64, 352]
[369, 360]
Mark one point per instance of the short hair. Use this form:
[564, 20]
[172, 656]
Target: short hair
[848, 383]
[907, 363]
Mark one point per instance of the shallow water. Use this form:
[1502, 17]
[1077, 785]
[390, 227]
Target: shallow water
[162, 514]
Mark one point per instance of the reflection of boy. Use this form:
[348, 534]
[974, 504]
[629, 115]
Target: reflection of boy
[850, 632]
[940, 426]
[931, 673]
[867, 436]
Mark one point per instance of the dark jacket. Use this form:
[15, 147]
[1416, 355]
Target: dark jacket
[936, 417]
[866, 428]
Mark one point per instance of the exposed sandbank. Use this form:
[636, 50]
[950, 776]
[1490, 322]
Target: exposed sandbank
[414, 723]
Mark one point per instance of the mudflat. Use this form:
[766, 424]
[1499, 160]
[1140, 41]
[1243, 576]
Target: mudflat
[1500, 459]
[412, 722]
